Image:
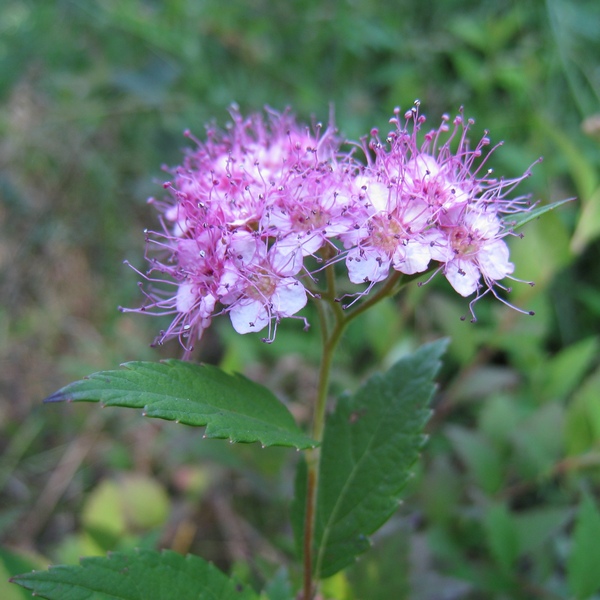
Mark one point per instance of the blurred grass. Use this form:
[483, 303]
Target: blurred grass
[94, 96]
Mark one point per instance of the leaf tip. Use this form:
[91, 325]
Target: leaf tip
[56, 397]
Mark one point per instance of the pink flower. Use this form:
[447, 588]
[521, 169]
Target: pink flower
[268, 297]
[259, 287]
[431, 198]
[245, 208]
[258, 209]
[475, 250]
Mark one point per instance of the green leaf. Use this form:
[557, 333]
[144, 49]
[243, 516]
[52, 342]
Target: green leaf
[137, 575]
[560, 375]
[582, 568]
[502, 535]
[538, 441]
[230, 406]
[278, 588]
[536, 526]
[371, 441]
[588, 224]
[582, 424]
[480, 456]
[517, 221]
[13, 562]
[387, 571]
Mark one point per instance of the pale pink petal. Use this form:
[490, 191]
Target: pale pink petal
[246, 249]
[286, 257]
[412, 258]
[493, 260]
[289, 297]
[367, 264]
[379, 196]
[231, 284]
[439, 247]
[463, 276]
[415, 215]
[423, 166]
[185, 297]
[485, 225]
[248, 315]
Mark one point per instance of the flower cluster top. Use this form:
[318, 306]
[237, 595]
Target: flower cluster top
[257, 209]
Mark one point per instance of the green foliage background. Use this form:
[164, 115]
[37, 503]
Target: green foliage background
[94, 96]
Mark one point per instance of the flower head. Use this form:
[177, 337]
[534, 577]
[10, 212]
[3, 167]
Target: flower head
[430, 197]
[245, 208]
[251, 203]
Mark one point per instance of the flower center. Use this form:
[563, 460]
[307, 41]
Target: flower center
[262, 285]
[462, 241]
[386, 233]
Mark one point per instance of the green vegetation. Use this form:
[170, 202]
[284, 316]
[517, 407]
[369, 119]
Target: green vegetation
[94, 97]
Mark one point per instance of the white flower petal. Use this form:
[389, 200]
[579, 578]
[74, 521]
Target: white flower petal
[186, 298]
[379, 196]
[412, 258]
[367, 264]
[246, 249]
[422, 165]
[493, 260]
[248, 315]
[289, 297]
[484, 225]
[286, 257]
[463, 276]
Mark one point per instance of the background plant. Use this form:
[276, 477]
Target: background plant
[95, 97]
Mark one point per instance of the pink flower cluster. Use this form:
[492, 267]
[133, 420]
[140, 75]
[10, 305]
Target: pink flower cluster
[256, 210]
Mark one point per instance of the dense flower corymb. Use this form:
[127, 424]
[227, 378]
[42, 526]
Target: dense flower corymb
[442, 204]
[256, 210]
[245, 209]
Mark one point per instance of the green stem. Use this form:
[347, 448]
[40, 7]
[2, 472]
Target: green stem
[331, 339]
[331, 336]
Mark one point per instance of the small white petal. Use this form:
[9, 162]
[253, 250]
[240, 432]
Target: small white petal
[483, 225]
[289, 297]
[367, 265]
[246, 249]
[422, 166]
[412, 258]
[493, 260]
[185, 297]
[379, 196]
[463, 276]
[248, 315]
[286, 257]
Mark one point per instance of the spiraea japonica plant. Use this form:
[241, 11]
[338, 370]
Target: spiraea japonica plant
[262, 218]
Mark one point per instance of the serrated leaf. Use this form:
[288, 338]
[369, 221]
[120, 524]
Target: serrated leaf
[136, 575]
[13, 562]
[231, 406]
[371, 441]
[517, 221]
